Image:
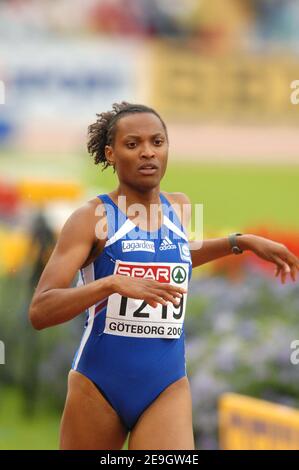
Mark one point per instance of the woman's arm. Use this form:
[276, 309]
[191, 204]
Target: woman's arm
[277, 253]
[54, 301]
[214, 248]
[209, 250]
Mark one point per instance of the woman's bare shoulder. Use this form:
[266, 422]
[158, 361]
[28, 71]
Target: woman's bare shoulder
[177, 197]
[88, 208]
[82, 221]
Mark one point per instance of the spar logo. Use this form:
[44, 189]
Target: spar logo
[179, 274]
[159, 272]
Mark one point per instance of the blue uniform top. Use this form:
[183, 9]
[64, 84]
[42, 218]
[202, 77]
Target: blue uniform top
[130, 350]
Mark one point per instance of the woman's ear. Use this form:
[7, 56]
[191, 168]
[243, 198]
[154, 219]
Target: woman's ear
[109, 155]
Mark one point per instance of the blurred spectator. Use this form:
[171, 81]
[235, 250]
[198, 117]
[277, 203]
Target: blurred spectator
[274, 20]
[277, 19]
[118, 17]
[43, 240]
[141, 17]
[218, 26]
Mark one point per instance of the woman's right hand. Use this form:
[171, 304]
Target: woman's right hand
[152, 292]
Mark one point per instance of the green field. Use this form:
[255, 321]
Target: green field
[233, 195]
[20, 432]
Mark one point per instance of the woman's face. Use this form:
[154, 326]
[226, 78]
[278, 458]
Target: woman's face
[140, 151]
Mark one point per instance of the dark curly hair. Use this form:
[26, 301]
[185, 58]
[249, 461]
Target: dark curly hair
[102, 132]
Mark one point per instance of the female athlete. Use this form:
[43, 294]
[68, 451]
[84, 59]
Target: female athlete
[129, 372]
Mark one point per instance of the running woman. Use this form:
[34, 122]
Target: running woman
[129, 372]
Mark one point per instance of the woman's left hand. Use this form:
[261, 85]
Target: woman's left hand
[277, 253]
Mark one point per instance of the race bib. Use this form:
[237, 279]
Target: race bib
[134, 317]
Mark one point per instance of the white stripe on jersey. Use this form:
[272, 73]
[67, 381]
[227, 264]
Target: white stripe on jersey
[121, 232]
[174, 228]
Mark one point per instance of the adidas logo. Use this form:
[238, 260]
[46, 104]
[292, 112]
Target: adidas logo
[167, 244]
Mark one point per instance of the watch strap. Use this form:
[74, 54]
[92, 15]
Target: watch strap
[233, 243]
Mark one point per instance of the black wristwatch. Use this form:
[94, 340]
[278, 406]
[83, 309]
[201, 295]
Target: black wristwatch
[233, 243]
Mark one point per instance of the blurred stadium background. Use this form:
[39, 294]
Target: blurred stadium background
[220, 73]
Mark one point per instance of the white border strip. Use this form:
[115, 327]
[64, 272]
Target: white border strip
[88, 276]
